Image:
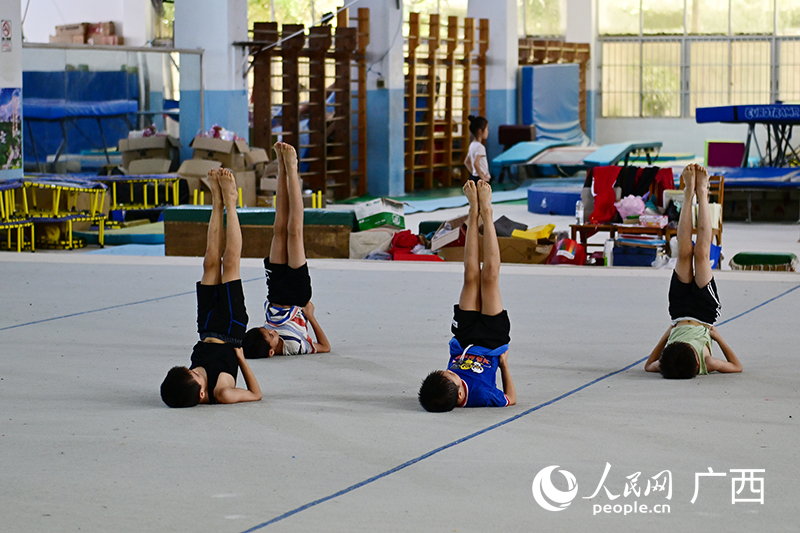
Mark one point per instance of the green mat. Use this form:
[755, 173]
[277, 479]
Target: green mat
[763, 261]
[431, 194]
[260, 216]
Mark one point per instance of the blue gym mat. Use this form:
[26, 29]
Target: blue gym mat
[426, 206]
[156, 250]
[145, 234]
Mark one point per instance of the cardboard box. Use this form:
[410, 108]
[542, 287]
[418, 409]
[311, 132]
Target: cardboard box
[246, 181]
[229, 153]
[452, 253]
[512, 250]
[113, 40]
[271, 169]
[197, 168]
[364, 242]
[265, 200]
[456, 236]
[101, 28]
[379, 213]
[67, 39]
[256, 159]
[149, 166]
[268, 184]
[155, 147]
[71, 30]
[194, 171]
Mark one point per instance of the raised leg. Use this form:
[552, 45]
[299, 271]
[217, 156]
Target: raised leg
[491, 303]
[702, 250]
[278, 254]
[684, 268]
[233, 233]
[296, 250]
[212, 262]
[470, 299]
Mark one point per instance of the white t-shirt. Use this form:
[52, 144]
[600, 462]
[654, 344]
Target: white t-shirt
[292, 326]
[477, 152]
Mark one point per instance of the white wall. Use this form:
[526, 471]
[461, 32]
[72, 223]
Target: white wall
[502, 57]
[678, 135]
[213, 25]
[132, 18]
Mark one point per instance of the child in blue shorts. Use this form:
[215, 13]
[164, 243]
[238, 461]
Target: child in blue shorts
[221, 314]
[481, 328]
[684, 350]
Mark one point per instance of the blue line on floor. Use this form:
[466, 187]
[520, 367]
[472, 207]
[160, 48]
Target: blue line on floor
[482, 431]
[759, 305]
[108, 308]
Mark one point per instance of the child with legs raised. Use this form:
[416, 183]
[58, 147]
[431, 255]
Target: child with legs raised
[289, 310]
[481, 328]
[221, 314]
[684, 350]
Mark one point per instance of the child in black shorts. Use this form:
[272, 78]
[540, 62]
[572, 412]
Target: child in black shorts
[221, 314]
[481, 328]
[289, 310]
[684, 350]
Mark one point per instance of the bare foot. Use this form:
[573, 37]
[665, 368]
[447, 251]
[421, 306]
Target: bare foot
[701, 185]
[212, 178]
[485, 199]
[471, 192]
[688, 176]
[279, 159]
[289, 157]
[228, 185]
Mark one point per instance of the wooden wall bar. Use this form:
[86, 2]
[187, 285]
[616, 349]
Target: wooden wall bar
[445, 82]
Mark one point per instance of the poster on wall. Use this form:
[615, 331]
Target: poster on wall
[10, 129]
[5, 35]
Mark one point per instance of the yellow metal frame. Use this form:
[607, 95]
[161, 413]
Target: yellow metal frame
[94, 215]
[170, 183]
[11, 221]
[19, 227]
[200, 195]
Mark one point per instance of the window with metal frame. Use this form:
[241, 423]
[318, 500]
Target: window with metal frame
[665, 58]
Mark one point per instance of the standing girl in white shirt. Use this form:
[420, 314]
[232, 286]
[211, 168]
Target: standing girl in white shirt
[476, 162]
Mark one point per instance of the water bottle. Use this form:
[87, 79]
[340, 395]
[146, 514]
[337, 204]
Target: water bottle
[608, 253]
[579, 212]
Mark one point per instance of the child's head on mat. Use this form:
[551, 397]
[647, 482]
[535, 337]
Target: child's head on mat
[441, 391]
[679, 361]
[221, 313]
[684, 350]
[480, 325]
[181, 388]
[260, 343]
[289, 312]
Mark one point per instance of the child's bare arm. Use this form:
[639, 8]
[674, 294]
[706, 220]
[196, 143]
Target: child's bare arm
[731, 365]
[653, 364]
[508, 383]
[236, 395]
[479, 169]
[322, 345]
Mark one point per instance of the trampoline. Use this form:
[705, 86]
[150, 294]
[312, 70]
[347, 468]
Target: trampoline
[66, 112]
